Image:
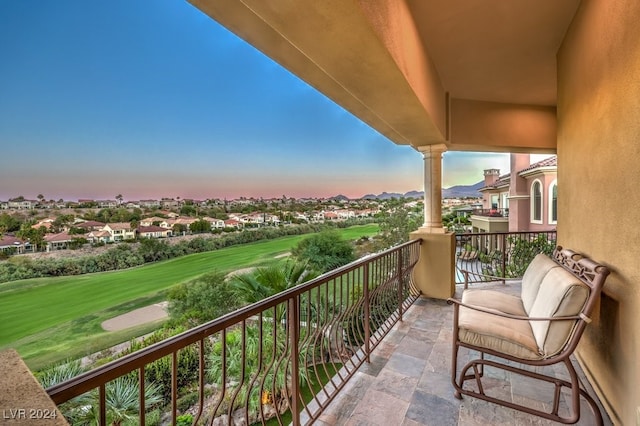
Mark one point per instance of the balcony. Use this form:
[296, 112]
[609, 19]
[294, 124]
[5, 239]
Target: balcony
[491, 212]
[408, 381]
[490, 220]
[403, 68]
[354, 346]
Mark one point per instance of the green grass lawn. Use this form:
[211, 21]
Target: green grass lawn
[55, 318]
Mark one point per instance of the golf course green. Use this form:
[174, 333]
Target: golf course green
[48, 319]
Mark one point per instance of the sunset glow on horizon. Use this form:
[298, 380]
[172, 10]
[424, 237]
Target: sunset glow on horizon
[100, 99]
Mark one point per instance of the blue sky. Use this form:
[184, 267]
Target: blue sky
[147, 101]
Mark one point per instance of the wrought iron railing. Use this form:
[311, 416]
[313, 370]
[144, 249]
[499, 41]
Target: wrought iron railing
[280, 360]
[491, 212]
[488, 256]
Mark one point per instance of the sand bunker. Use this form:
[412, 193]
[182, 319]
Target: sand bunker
[136, 317]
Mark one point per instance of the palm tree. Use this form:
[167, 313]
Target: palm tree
[269, 280]
[34, 236]
[266, 281]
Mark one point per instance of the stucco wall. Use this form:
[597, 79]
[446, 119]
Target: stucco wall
[599, 195]
[545, 181]
[491, 126]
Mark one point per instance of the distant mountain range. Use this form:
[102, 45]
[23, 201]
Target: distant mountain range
[458, 191]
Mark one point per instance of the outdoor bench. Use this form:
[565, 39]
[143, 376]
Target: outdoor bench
[540, 327]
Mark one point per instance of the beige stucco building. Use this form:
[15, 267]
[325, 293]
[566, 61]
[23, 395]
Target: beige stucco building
[543, 76]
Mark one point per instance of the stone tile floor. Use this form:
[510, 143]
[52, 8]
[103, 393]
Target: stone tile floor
[407, 382]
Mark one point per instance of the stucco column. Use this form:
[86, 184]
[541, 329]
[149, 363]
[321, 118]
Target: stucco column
[433, 187]
[23, 401]
[434, 274]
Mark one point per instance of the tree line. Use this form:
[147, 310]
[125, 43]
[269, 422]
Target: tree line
[125, 255]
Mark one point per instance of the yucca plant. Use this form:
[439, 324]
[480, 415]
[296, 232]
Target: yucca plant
[122, 405]
[121, 396]
[266, 364]
[74, 409]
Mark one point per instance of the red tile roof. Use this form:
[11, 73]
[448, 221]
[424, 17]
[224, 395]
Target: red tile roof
[10, 241]
[56, 238]
[547, 162]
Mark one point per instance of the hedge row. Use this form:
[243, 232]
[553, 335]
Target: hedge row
[125, 255]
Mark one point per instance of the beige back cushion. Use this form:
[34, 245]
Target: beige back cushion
[560, 294]
[539, 267]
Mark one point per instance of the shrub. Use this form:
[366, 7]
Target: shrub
[123, 256]
[324, 251]
[202, 299]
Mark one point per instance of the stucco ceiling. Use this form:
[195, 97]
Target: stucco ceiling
[495, 50]
[401, 65]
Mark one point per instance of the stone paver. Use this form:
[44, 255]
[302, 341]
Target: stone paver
[408, 382]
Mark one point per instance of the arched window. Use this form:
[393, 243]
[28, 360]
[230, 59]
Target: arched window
[553, 202]
[536, 202]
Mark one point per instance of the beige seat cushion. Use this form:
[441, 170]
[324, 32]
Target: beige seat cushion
[532, 278]
[560, 294]
[495, 300]
[487, 331]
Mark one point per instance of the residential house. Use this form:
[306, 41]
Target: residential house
[44, 223]
[108, 204]
[330, 216]
[273, 219]
[317, 216]
[21, 204]
[152, 220]
[84, 202]
[153, 231]
[345, 214]
[236, 216]
[149, 204]
[90, 225]
[59, 241]
[11, 245]
[254, 218]
[215, 223]
[185, 221]
[367, 212]
[169, 203]
[526, 199]
[233, 223]
[100, 236]
[120, 231]
[300, 216]
[44, 204]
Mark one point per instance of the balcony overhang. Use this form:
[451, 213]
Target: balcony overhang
[475, 75]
